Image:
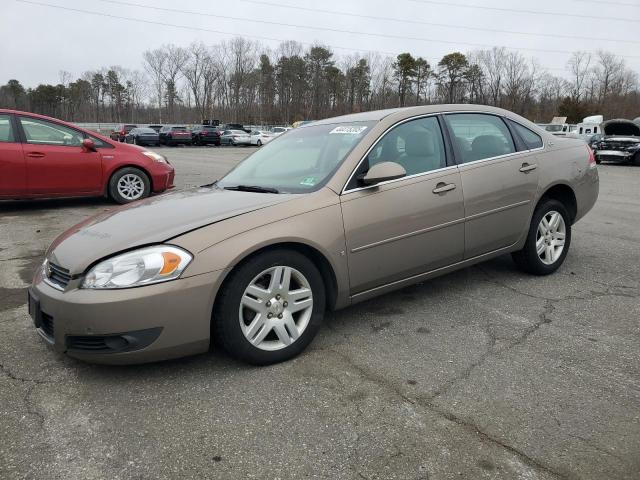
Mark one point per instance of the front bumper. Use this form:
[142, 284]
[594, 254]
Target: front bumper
[615, 155]
[133, 325]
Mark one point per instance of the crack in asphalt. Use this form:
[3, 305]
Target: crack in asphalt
[27, 398]
[450, 416]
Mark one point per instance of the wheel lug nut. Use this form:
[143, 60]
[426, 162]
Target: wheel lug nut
[269, 315]
[280, 316]
[286, 304]
[277, 297]
[268, 304]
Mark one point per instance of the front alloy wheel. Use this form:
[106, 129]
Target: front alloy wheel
[129, 184]
[270, 307]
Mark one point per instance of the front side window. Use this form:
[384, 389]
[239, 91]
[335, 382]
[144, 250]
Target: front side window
[43, 132]
[6, 131]
[417, 145]
[531, 139]
[301, 161]
[479, 136]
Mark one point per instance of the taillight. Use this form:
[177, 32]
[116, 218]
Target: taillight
[592, 157]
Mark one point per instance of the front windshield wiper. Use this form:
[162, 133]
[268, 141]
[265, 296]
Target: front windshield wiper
[253, 188]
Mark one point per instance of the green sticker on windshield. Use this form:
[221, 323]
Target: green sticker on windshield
[309, 181]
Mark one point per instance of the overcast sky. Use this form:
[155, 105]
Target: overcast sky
[38, 41]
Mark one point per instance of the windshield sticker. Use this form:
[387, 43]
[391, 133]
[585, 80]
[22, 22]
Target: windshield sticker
[349, 130]
[308, 182]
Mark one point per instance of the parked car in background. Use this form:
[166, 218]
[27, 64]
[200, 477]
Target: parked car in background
[171, 135]
[156, 128]
[42, 157]
[121, 131]
[235, 126]
[205, 135]
[620, 142]
[260, 137]
[142, 136]
[235, 138]
[327, 216]
[279, 130]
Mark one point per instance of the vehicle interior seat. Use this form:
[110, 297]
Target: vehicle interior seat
[486, 146]
[420, 153]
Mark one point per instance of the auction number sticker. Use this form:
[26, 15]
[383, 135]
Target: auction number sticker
[349, 130]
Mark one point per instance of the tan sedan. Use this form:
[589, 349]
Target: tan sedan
[328, 215]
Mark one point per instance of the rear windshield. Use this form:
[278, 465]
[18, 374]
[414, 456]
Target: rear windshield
[179, 129]
[146, 130]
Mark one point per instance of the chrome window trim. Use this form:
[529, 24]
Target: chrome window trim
[344, 188]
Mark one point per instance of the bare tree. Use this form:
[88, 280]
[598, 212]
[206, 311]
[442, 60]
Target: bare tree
[154, 63]
[579, 65]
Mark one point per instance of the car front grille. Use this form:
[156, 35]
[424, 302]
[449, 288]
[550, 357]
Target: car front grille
[46, 325]
[58, 276]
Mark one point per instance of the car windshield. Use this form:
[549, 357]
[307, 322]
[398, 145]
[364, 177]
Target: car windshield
[179, 129]
[239, 132]
[553, 128]
[301, 161]
[145, 130]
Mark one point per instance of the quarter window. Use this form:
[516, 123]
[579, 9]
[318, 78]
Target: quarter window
[6, 132]
[531, 139]
[480, 136]
[42, 132]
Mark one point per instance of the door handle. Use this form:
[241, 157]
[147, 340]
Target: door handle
[525, 168]
[444, 187]
[35, 154]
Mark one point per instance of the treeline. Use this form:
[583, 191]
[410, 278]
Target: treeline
[242, 81]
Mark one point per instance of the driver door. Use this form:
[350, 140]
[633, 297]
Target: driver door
[412, 225]
[56, 163]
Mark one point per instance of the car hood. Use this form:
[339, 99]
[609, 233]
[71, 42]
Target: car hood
[153, 220]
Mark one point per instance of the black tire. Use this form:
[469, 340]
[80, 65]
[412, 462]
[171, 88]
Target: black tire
[259, 142]
[135, 141]
[115, 195]
[527, 259]
[636, 160]
[226, 330]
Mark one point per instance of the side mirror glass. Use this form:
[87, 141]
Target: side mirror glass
[88, 145]
[383, 172]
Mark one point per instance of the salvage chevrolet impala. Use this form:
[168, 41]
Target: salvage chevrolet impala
[323, 217]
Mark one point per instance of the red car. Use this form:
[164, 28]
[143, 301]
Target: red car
[41, 157]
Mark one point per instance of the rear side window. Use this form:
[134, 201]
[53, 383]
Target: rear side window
[479, 136]
[531, 139]
[42, 132]
[6, 131]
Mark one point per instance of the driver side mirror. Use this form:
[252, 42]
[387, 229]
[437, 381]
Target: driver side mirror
[383, 172]
[88, 145]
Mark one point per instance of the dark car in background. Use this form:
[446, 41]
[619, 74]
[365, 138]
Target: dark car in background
[174, 135]
[121, 131]
[205, 135]
[142, 136]
[620, 142]
[156, 128]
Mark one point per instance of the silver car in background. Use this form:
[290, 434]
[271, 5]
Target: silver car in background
[235, 138]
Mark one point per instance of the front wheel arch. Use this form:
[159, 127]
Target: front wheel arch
[327, 272]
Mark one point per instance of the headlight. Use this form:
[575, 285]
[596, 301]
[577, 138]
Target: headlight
[141, 267]
[154, 156]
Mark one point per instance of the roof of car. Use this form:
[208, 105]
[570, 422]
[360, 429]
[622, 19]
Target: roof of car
[377, 115]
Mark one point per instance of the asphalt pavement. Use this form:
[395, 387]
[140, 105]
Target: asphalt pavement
[483, 373]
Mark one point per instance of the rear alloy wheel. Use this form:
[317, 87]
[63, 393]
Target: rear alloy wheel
[128, 185]
[270, 308]
[548, 239]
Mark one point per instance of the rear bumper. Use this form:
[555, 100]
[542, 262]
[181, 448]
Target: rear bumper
[136, 325]
[178, 140]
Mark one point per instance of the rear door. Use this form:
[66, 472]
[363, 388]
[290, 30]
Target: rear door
[56, 162]
[499, 179]
[13, 174]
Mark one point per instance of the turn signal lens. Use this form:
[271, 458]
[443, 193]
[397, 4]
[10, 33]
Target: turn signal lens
[171, 262]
